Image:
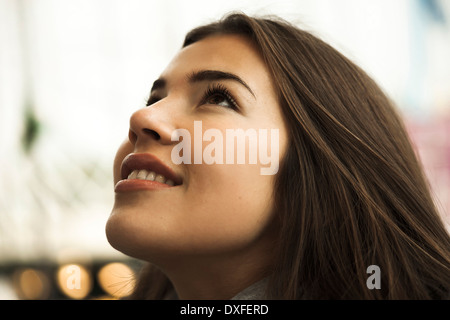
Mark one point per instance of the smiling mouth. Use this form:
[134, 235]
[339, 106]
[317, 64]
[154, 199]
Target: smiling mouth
[146, 171]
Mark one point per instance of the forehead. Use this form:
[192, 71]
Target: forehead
[229, 53]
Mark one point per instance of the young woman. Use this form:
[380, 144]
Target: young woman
[348, 195]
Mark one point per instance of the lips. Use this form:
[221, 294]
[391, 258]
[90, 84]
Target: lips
[147, 169]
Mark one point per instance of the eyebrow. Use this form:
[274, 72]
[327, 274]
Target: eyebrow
[158, 84]
[214, 75]
[206, 75]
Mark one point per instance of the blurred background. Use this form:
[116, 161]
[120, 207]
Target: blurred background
[73, 71]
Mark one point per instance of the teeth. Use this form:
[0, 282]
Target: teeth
[142, 174]
[160, 178]
[133, 175]
[151, 176]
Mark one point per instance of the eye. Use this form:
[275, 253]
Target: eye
[220, 100]
[219, 95]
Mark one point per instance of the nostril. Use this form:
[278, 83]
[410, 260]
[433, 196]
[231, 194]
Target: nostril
[152, 133]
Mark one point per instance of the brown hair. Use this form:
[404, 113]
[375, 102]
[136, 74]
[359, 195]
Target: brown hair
[350, 191]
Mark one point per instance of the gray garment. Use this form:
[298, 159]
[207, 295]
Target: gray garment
[255, 292]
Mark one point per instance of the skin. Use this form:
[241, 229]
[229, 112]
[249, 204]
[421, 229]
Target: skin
[213, 235]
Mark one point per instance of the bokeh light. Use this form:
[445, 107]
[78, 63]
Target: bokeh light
[116, 279]
[31, 284]
[74, 280]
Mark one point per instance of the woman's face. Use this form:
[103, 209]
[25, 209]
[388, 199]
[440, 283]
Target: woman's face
[218, 83]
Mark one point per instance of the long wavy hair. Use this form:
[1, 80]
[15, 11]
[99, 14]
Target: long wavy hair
[350, 191]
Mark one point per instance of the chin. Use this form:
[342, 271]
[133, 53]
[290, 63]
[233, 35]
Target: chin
[136, 239]
[122, 235]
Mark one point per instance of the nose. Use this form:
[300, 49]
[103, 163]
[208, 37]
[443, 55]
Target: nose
[150, 125]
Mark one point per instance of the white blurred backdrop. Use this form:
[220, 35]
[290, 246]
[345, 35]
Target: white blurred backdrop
[73, 71]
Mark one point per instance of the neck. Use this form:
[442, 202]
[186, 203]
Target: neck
[216, 278]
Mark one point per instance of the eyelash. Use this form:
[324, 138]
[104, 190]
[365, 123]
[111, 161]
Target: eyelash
[219, 89]
[212, 90]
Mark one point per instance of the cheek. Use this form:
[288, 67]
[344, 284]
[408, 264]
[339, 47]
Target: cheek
[229, 205]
